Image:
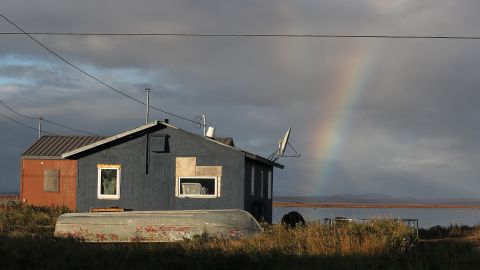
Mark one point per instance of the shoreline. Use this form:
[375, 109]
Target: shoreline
[373, 205]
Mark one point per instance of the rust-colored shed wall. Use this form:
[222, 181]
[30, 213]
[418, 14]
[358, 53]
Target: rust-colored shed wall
[32, 189]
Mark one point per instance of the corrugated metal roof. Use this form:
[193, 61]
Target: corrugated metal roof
[54, 146]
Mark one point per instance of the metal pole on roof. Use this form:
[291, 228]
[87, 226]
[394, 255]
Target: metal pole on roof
[204, 125]
[40, 127]
[148, 105]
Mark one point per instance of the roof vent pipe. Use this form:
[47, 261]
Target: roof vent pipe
[210, 132]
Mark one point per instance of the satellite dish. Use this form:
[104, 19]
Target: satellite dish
[282, 145]
[284, 142]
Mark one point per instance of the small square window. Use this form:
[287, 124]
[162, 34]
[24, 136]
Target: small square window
[51, 180]
[198, 187]
[159, 144]
[108, 182]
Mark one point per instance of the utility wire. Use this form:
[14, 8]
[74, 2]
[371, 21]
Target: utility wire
[46, 120]
[24, 125]
[90, 75]
[17, 113]
[29, 34]
[248, 35]
[65, 126]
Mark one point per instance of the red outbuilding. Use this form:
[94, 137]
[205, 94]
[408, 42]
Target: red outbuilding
[46, 179]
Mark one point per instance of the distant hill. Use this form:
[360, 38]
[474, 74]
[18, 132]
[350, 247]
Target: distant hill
[373, 198]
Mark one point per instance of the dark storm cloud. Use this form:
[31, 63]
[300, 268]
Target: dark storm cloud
[416, 122]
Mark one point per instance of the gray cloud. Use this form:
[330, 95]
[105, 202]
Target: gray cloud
[413, 130]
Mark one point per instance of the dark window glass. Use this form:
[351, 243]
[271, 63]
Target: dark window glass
[159, 143]
[197, 186]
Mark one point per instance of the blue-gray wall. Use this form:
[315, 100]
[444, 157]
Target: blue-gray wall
[156, 190]
[260, 207]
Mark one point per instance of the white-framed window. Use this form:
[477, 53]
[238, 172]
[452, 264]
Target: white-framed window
[261, 184]
[198, 186]
[269, 185]
[252, 181]
[108, 186]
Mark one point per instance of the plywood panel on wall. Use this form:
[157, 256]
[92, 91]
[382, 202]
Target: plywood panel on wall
[208, 171]
[185, 166]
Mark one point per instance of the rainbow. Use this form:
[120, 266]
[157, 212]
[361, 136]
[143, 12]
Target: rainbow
[330, 132]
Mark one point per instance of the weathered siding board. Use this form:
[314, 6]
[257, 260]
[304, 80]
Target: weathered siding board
[156, 190]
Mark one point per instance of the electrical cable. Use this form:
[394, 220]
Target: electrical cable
[195, 123]
[12, 110]
[24, 125]
[65, 126]
[249, 35]
[46, 120]
[90, 75]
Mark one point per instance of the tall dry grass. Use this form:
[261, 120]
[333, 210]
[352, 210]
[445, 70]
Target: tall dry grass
[17, 220]
[373, 238]
[377, 237]
[451, 231]
[27, 242]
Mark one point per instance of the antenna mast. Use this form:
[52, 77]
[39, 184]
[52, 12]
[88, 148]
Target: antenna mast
[204, 125]
[40, 127]
[148, 105]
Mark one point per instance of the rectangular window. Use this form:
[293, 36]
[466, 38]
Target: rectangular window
[269, 183]
[51, 180]
[108, 181]
[261, 184]
[252, 181]
[198, 186]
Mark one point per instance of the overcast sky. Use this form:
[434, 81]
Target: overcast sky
[392, 116]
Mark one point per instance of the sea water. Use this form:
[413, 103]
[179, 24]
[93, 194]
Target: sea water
[426, 217]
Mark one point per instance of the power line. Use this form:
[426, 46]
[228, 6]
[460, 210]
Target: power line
[22, 124]
[46, 120]
[88, 74]
[17, 113]
[65, 126]
[248, 35]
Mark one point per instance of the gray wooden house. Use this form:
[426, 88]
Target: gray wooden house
[160, 167]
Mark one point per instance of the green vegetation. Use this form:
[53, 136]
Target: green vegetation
[26, 242]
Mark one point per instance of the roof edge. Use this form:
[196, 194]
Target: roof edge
[42, 157]
[250, 155]
[156, 123]
[264, 160]
[114, 138]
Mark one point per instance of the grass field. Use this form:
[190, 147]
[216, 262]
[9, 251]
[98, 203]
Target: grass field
[27, 242]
